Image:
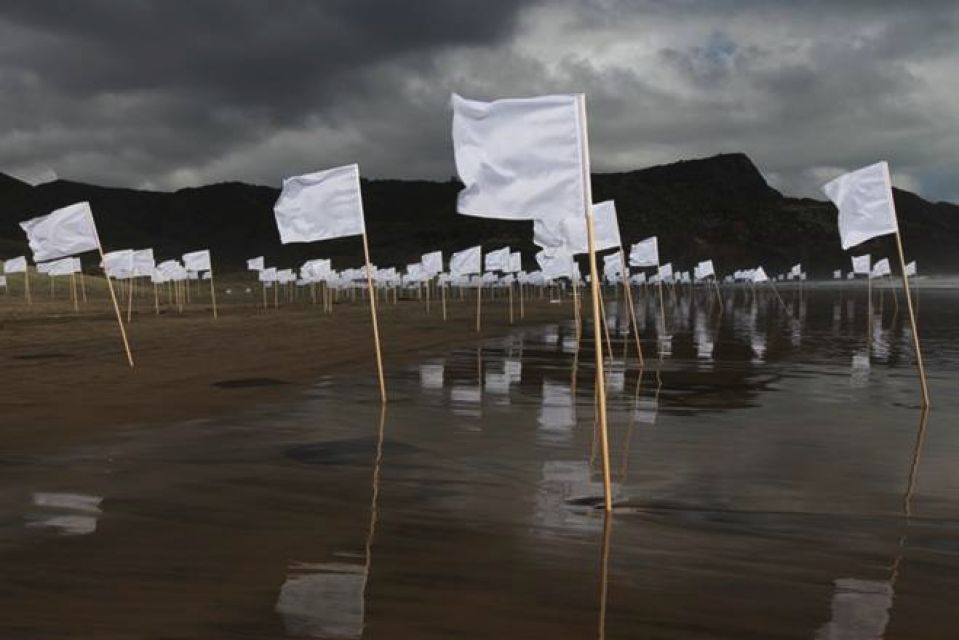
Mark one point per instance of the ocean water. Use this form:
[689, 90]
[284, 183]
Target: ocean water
[773, 477]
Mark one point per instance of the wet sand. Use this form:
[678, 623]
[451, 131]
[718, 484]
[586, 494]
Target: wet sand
[779, 483]
[66, 372]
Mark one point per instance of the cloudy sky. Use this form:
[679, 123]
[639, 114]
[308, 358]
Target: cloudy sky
[168, 93]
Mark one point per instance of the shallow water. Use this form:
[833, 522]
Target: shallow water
[773, 478]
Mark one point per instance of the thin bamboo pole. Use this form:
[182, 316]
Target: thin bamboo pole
[912, 320]
[376, 328]
[116, 307]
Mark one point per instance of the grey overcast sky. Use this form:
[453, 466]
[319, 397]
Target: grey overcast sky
[172, 93]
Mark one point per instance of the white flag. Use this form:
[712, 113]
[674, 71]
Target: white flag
[862, 264]
[612, 266]
[571, 233]
[911, 269]
[515, 262]
[267, 275]
[497, 260]
[15, 265]
[644, 253]
[319, 206]
[255, 264]
[864, 200]
[65, 232]
[706, 269]
[796, 270]
[466, 262]
[837, 274]
[556, 263]
[118, 264]
[197, 261]
[62, 267]
[432, 263]
[520, 159]
[666, 272]
[881, 268]
[143, 263]
[759, 275]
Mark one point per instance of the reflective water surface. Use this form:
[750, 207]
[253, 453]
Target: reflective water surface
[773, 478]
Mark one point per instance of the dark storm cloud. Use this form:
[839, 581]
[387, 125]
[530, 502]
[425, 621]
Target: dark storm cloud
[171, 93]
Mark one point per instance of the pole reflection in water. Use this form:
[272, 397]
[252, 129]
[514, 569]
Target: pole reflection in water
[328, 600]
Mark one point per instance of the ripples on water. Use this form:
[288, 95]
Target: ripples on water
[772, 478]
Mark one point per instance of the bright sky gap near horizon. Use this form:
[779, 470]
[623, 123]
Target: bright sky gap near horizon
[164, 95]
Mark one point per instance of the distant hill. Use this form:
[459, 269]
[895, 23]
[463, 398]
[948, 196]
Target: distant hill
[719, 207]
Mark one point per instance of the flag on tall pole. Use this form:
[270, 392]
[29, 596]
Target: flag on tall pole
[325, 205]
[867, 210]
[528, 159]
[65, 232]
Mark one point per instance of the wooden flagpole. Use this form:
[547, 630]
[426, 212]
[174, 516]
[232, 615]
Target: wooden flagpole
[213, 295]
[73, 292]
[26, 284]
[443, 296]
[597, 320]
[83, 287]
[116, 307]
[511, 302]
[130, 300]
[632, 310]
[479, 302]
[522, 303]
[376, 329]
[912, 320]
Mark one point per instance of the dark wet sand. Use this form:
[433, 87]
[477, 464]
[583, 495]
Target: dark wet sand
[65, 372]
[774, 486]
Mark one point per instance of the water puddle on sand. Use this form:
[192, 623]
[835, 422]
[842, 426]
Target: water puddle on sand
[772, 475]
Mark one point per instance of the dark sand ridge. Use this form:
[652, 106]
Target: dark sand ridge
[63, 372]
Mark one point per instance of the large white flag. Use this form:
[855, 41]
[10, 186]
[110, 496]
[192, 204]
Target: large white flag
[432, 263]
[197, 261]
[644, 253]
[255, 264]
[319, 206]
[864, 200]
[466, 262]
[520, 159]
[497, 260]
[572, 232]
[15, 265]
[64, 232]
[862, 264]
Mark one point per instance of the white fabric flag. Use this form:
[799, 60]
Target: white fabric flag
[520, 159]
[15, 265]
[706, 269]
[556, 263]
[862, 264]
[267, 275]
[64, 232]
[143, 263]
[255, 264]
[497, 260]
[666, 272]
[466, 262]
[197, 261]
[837, 274]
[118, 264]
[515, 262]
[881, 268]
[571, 233]
[319, 206]
[911, 269]
[759, 275]
[612, 266]
[796, 270]
[864, 200]
[61, 267]
[432, 263]
[644, 253]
